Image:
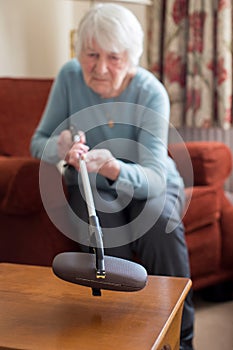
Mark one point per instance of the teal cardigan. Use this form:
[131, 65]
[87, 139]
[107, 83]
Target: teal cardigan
[134, 127]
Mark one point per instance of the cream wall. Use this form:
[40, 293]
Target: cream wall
[34, 35]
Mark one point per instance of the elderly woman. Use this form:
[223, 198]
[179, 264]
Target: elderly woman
[121, 113]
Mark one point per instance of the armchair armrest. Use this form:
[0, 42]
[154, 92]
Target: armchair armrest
[19, 185]
[211, 162]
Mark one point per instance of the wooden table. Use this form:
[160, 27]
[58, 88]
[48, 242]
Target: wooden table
[38, 311]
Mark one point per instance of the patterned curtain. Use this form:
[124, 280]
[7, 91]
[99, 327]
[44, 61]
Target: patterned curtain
[190, 51]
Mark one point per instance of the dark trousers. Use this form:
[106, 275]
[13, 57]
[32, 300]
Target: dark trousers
[152, 230]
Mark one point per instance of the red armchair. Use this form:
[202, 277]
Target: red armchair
[28, 236]
[207, 219]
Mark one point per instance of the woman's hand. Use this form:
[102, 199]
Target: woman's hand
[97, 160]
[65, 143]
[102, 161]
[77, 150]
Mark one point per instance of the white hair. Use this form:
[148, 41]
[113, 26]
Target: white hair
[114, 28]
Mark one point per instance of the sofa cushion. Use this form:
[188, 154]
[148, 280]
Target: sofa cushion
[203, 207]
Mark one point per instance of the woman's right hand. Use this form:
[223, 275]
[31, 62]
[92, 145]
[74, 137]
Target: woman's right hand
[65, 143]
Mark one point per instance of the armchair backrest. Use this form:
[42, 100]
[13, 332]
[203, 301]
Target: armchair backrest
[211, 162]
[22, 102]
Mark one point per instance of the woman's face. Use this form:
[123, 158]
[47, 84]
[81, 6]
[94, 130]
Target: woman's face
[106, 73]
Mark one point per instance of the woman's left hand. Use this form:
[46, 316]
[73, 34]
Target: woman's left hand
[102, 161]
